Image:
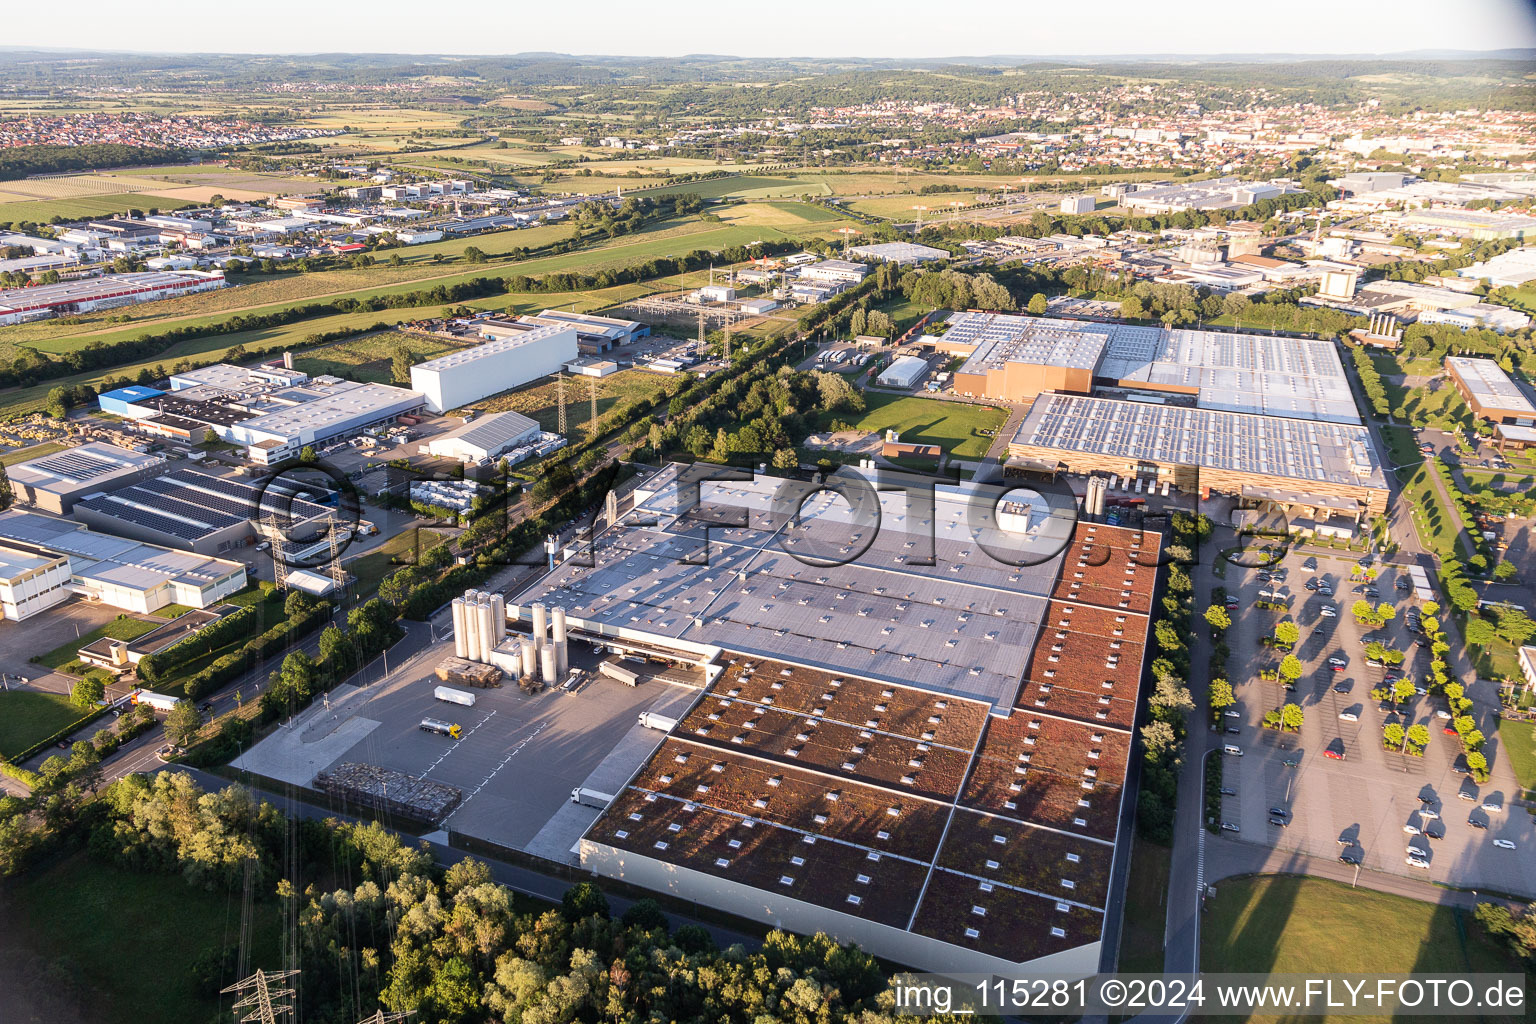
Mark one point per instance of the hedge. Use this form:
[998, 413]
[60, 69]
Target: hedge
[153, 668]
[228, 666]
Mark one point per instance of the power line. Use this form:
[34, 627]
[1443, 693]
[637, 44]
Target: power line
[387, 1018]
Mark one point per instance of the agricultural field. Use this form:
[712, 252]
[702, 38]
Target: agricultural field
[900, 207]
[43, 211]
[744, 186]
[954, 426]
[1297, 925]
[28, 717]
[69, 186]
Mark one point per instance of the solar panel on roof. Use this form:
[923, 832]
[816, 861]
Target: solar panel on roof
[76, 466]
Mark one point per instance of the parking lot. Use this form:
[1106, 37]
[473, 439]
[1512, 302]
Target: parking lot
[1359, 804]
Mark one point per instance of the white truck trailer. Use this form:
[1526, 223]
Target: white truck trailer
[452, 696]
[590, 797]
[651, 720]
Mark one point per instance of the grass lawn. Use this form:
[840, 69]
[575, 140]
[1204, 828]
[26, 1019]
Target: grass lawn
[741, 184]
[1520, 747]
[122, 628]
[1146, 909]
[170, 611]
[953, 426]
[369, 358]
[28, 717]
[370, 569]
[1289, 924]
[1402, 448]
[44, 210]
[132, 936]
[542, 402]
[35, 451]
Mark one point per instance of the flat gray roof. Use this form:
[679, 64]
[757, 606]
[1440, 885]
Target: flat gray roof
[1490, 385]
[331, 406]
[1292, 449]
[495, 346]
[117, 560]
[492, 431]
[1003, 339]
[962, 626]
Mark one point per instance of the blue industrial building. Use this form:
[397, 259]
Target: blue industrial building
[117, 402]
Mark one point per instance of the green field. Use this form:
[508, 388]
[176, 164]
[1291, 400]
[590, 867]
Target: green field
[407, 546]
[542, 403]
[369, 358]
[28, 717]
[44, 210]
[952, 426]
[1290, 924]
[122, 628]
[1519, 745]
[130, 938]
[747, 186]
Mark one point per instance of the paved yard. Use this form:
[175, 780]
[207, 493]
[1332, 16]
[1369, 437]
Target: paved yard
[1369, 796]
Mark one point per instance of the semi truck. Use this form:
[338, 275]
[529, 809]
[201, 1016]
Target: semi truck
[618, 672]
[590, 798]
[441, 727]
[453, 696]
[158, 701]
[651, 720]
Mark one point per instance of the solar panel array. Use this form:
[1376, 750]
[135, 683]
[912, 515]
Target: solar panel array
[190, 505]
[75, 465]
[1266, 445]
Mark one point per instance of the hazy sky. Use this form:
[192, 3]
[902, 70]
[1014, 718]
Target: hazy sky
[840, 28]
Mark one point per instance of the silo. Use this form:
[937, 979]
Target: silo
[562, 656]
[540, 622]
[547, 664]
[498, 619]
[460, 642]
[530, 659]
[487, 630]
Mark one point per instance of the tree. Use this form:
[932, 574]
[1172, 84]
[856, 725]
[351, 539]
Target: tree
[1167, 637]
[1392, 735]
[400, 365]
[182, 722]
[1504, 571]
[784, 458]
[1291, 717]
[1385, 612]
[1288, 633]
[1221, 694]
[1402, 690]
[307, 454]
[1290, 668]
[1037, 304]
[1418, 735]
[1480, 632]
[88, 692]
[209, 437]
[1477, 762]
[1217, 618]
[583, 900]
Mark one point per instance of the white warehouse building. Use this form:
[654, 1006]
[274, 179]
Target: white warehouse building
[459, 378]
[903, 373]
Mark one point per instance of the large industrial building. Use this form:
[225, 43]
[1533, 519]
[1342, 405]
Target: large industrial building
[1325, 468]
[19, 305]
[54, 483]
[1015, 358]
[485, 438]
[905, 254]
[197, 511]
[123, 573]
[926, 759]
[1493, 396]
[1215, 194]
[274, 410]
[515, 359]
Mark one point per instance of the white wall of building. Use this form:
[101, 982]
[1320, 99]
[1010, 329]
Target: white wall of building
[29, 593]
[459, 378]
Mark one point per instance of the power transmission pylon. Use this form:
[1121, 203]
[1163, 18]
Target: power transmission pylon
[262, 998]
[560, 399]
[338, 575]
[727, 342]
[701, 329]
[387, 1018]
[279, 556]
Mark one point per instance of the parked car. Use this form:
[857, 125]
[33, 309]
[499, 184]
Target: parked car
[1477, 824]
[1434, 833]
[1337, 755]
[1227, 791]
[1493, 806]
[1428, 813]
[1504, 844]
[1341, 688]
[1462, 794]
[1234, 730]
[1235, 751]
[1278, 822]
[1228, 826]
[1291, 762]
[1417, 851]
[1442, 713]
[1412, 830]
[1232, 713]
[1279, 812]
[1417, 862]
[1348, 858]
[1338, 662]
[1328, 611]
[1348, 716]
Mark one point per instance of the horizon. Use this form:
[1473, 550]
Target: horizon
[1193, 29]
